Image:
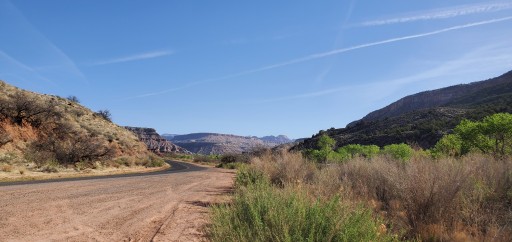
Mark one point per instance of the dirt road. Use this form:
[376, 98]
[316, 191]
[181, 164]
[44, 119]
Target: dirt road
[163, 207]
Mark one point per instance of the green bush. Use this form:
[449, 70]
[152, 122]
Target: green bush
[401, 151]
[317, 155]
[155, 161]
[261, 212]
[51, 166]
[449, 145]
[233, 158]
[492, 135]
[355, 150]
[326, 143]
[233, 165]
[247, 175]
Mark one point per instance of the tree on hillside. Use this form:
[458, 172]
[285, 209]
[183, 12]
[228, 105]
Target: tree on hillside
[105, 114]
[326, 143]
[498, 129]
[324, 151]
[21, 109]
[401, 151]
[73, 99]
[450, 145]
[492, 135]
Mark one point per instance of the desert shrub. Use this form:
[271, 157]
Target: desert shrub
[206, 159]
[261, 212]
[50, 166]
[83, 165]
[233, 158]
[354, 150]
[6, 168]
[73, 99]
[438, 199]
[235, 165]
[8, 157]
[21, 109]
[37, 155]
[124, 161]
[68, 146]
[402, 152]
[248, 175]
[4, 136]
[285, 168]
[446, 199]
[104, 114]
[155, 161]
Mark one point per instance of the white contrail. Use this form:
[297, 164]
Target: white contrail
[443, 13]
[141, 56]
[329, 53]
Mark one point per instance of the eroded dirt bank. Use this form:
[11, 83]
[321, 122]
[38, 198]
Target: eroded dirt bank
[169, 207]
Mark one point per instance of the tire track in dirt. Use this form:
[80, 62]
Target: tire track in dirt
[165, 207]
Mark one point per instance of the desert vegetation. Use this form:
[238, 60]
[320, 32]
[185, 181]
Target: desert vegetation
[461, 190]
[49, 133]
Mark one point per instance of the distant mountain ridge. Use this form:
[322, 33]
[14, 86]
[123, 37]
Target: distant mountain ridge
[278, 140]
[214, 143]
[423, 118]
[448, 96]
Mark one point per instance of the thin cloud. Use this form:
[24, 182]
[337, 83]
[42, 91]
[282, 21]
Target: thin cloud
[9, 60]
[306, 95]
[137, 57]
[489, 59]
[42, 44]
[327, 54]
[443, 13]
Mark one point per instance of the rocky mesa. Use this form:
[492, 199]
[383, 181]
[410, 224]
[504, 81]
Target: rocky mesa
[155, 142]
[214, 143]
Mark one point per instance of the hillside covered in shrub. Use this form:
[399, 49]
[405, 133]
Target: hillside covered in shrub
[424, 118]
[39, 131]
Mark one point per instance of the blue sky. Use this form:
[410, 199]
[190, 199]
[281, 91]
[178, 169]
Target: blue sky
[249, 68]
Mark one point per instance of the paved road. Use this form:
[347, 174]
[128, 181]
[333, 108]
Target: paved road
[176, 166]
[168, 205]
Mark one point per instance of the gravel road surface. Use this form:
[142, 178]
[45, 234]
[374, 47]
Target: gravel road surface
[165, 206]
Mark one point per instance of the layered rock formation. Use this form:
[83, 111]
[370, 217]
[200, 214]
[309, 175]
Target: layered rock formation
[276, 140]
[213, 143]
[155, 142]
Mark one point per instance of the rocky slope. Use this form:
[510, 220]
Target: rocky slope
[155, 142]
[276, 140]
[39, 129]
[459, 95]
[423, 118]
[213, 143]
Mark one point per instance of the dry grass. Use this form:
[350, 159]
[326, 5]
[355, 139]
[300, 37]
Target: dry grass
[66, 132]
[24, 174]
[6, 168]
[447, 199]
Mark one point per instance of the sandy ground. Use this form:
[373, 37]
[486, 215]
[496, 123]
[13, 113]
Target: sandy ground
[169, 207]
[28, 175]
